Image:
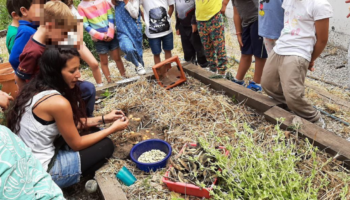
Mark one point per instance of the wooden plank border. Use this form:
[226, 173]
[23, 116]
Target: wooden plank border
[122, 83]
[325, 140]
[109, 186]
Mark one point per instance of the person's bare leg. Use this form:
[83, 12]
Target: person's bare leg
[156, 59]
[116, 57]
[244, 65]
[87, 56]
[167, 56]
[259, 67]
[104, 66]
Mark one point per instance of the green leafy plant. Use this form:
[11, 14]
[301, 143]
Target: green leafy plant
[106, 94]
[145, 42]
[250, 172]
[5, 18]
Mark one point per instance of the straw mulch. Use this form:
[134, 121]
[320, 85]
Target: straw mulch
[193, 110]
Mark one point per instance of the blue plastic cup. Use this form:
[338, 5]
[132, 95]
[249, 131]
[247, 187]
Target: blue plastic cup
[126, 176]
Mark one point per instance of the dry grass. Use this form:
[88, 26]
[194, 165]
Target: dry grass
[193, 110]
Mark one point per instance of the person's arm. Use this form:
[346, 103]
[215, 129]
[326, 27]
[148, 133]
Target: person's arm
[171, 10]
[27, 66]
[18, 47]
[321, 27]
[142, 15]
[237, 21]
[5, 100]
[133, 8]
[194, 21]
[63, 116]
[177, 23]
[104, 119]
[224, 5]
[11, 43]
[94, 34]
[110, 16]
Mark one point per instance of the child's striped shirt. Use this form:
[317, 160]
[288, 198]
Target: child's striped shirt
[98, 18]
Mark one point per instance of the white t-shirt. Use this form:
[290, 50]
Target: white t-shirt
[298, 36]
[75, 12]
[157, 20]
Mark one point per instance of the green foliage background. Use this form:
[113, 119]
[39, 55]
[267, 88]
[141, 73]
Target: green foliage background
[5, 18]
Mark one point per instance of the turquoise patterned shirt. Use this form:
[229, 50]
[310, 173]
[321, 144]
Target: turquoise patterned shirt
[21, 174]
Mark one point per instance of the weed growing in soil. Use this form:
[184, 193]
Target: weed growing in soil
[251, 172]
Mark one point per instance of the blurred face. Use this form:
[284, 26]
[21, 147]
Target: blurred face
[71, 72]
[33, 14]
[57, 34]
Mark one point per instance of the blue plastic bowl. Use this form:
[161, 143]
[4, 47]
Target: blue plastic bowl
[149, 145]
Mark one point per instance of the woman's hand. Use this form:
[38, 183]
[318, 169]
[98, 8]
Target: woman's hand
[113, 116]
[120, 124]
[5, 100]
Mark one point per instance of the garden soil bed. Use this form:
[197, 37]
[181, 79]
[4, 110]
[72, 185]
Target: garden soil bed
[193, 111]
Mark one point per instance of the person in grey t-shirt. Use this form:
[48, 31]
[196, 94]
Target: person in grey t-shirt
[248, 10]
[246, 22]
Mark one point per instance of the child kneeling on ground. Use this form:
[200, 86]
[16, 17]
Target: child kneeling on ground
[303, 38]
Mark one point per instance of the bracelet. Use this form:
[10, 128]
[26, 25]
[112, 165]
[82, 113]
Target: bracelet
[238, 33]
[103, 120]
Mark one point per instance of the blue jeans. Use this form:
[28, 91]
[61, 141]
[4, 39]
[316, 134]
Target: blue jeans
[156, 43]
[103, 47]
[66, 170]
[88, 93]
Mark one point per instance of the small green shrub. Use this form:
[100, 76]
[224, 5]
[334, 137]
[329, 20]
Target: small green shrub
[5, 18]
[252, 172]
[145, 42]
[76, 3]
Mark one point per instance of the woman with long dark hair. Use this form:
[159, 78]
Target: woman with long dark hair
[49, 106]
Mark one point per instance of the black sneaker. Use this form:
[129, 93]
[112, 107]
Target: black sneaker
[213, 69]
[229, 76]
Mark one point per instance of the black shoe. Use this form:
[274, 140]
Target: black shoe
[204, 65]
[213, 69]
[229, 76]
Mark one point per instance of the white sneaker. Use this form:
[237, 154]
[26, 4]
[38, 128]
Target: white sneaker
[99, 85]
[91, 186]
[140, 70]
[321, 123]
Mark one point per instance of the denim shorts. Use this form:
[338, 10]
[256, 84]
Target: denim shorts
[103, 47]
[156, 43]
[66, 170]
